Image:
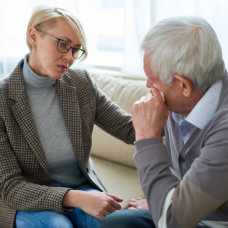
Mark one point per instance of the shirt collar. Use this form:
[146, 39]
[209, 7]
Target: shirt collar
[204, 110]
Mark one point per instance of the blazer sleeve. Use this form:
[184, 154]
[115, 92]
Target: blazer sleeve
[18, 192]
[110, 117]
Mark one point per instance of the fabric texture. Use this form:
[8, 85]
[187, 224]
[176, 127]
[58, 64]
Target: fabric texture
[24, 177]
[202, 163]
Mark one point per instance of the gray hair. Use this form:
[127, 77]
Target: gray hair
[187, 46]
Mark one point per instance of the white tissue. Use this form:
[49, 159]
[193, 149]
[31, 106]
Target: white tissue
[162, 94]
[150, 96]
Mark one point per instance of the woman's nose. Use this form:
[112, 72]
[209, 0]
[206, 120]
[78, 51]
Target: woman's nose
[68, 55]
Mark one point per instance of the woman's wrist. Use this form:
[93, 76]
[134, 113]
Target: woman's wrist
[73, 198]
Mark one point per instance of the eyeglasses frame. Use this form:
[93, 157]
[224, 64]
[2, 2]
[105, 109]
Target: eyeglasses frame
[58, 39]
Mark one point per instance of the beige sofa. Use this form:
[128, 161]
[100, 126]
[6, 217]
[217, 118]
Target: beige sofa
[113, 159]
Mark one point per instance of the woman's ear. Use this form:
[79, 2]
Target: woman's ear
[32, 37]
[185, 84]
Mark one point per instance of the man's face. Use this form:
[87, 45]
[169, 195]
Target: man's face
[172, 93]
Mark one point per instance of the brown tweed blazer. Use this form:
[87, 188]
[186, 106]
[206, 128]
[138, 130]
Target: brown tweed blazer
[24, 177]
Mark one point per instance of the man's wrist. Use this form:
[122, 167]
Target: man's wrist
[146, 136]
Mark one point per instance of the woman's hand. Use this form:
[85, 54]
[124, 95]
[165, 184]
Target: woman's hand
[149, 116]
[97, 204]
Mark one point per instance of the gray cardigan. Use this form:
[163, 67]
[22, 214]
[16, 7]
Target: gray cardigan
[202, 164]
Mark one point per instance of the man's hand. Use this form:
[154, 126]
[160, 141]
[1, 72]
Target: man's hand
[138, 204]
[149, 116]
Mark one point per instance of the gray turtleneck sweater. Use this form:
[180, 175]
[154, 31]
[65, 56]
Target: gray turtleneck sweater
[47, 113]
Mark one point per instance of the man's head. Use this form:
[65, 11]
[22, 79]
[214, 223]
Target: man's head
[187, 46]
[184, 56]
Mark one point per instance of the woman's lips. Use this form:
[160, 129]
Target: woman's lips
[62, 68]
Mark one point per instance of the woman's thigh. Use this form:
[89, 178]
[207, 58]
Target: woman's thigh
[82, 220]
[41, 219]
[49, 219]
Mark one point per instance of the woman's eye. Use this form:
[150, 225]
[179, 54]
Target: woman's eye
[63, 44]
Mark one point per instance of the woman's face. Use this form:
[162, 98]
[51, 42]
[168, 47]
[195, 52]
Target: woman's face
[45, 59]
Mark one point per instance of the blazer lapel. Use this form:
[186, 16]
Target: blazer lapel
[71, 111]
[23, 115]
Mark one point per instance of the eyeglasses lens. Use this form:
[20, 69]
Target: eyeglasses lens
[64, 47]
[77, 53]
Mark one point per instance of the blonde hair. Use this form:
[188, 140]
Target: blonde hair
[45, 16]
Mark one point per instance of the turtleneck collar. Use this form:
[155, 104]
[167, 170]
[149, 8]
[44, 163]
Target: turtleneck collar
[34, 80]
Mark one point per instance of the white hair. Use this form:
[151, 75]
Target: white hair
[187, 46]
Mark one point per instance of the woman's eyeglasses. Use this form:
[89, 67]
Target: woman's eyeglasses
[63, 46]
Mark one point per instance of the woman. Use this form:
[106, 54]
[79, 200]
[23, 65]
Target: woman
[47, 113]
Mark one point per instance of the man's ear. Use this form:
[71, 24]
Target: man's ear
[32, 36]
[185, 84]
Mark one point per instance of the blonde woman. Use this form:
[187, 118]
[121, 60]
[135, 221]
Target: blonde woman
[47, 114]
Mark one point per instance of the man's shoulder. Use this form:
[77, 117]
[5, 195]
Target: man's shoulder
[223, 102]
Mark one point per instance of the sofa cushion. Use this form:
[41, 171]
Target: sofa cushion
[124, 92]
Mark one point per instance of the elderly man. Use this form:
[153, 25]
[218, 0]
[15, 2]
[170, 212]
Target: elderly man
[184, 180]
